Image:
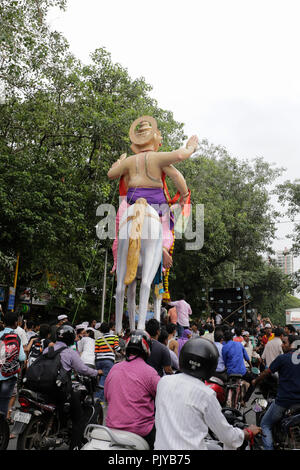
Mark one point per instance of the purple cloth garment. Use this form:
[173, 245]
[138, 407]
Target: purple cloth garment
[155, 197]
[183, 339]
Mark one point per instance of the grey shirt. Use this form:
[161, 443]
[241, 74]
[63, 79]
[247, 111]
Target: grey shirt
[71, 360]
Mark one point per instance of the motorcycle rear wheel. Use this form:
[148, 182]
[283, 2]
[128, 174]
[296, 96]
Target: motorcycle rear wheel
[34, 432]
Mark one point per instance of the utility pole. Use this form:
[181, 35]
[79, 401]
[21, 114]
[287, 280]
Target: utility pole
[104, 288]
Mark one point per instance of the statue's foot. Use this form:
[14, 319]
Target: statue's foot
[167, 259]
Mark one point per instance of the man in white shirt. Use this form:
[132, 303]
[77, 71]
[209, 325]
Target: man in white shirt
[21, 332]
[186, 408]
[273, 348]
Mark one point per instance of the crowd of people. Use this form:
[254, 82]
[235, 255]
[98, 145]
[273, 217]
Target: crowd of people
[138, 374]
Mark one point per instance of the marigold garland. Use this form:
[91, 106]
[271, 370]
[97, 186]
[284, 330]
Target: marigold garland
[166, 295]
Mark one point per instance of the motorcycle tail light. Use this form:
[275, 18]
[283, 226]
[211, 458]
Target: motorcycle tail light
[24, 403]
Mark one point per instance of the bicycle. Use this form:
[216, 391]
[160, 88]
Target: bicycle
[234, 391]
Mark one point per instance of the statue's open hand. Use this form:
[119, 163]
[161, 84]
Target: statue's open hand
[122, 157]
[193, 142]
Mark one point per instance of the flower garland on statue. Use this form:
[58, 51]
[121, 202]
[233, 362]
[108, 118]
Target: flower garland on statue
[185, 214]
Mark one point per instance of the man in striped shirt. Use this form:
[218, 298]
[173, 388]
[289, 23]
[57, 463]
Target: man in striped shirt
[105, 348]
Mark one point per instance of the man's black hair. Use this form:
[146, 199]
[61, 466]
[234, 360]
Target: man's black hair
[292, 338]
[218, 335]
[238, 330]
[104, 327]
[209, 327]
[291, 328]
[30, 324]
[163, 336]
[44, 330]
[170, 327]
[278, 332]
[152, 327]
[227, 335]
[91, 334]
[10, 319]
[201, 331]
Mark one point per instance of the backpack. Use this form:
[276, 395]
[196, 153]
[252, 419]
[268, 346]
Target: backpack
[46, 375]
[35, 350]
[9, 354]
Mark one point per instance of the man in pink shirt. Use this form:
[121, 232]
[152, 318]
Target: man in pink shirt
[130, 390]
[183, 313]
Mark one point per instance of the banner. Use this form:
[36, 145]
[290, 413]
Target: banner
[11, 298]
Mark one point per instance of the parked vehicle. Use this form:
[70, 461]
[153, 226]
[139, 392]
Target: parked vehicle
[38, 423]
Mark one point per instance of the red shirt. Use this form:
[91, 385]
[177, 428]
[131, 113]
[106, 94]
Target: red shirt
[238, 339]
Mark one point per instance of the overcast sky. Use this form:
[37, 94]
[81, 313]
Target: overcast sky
[228, 69]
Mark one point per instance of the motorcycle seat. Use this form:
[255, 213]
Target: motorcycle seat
[117, 437]
[25, 392]
[216, 380]
[235, 376]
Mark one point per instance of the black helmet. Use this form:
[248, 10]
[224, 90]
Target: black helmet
[138, 344]
[199, 358]
[66, 334]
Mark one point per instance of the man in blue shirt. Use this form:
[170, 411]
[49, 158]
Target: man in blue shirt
[7, 383]
[288, 392]
[234, 354]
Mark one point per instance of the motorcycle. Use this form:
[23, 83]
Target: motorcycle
[40, 425]
[219, 387]
[286, 432]
[104, 438]
[4, 432]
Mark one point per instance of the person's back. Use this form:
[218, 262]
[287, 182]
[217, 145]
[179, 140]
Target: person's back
[86, 349]
[130, 390]
[183, 312]
[233, 356]
[160, 357]
[288, 367]
[171, 419]
[186, 409]
[273, 348]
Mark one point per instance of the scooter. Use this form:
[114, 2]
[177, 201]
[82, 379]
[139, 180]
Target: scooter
[104, 438]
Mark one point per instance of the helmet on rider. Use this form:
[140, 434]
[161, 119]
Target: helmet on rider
[199, 358]
[66, 334]
[138, 344]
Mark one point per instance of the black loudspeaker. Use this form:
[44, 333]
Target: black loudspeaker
[232, 303]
